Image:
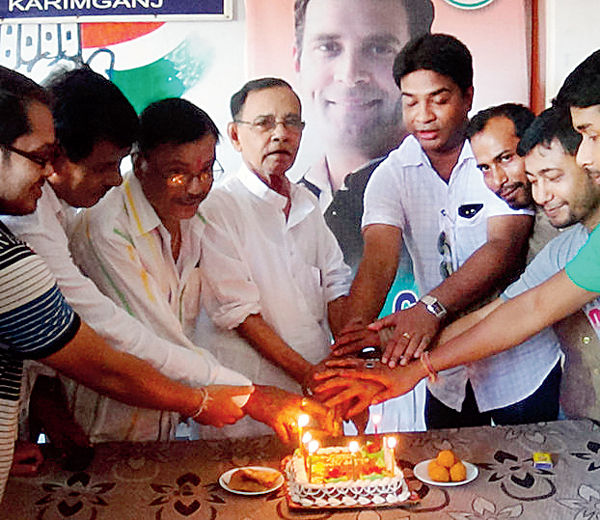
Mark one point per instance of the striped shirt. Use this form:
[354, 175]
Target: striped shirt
[35, 321]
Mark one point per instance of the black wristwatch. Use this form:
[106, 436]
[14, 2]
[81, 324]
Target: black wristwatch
[433, 305]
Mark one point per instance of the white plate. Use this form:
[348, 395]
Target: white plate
[421, 472]
[224, 481]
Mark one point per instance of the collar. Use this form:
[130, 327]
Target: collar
[414, 155]
[138, 207]
[318, 176]
[256, 186]
[301, 205]
[63, 211]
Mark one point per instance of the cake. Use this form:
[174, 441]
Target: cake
[334, 482]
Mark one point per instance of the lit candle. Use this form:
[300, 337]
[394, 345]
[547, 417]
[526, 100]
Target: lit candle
[390, 458]
[303, 421]
[376, 421]
[313, 446]
[306, 438]
[353, 447]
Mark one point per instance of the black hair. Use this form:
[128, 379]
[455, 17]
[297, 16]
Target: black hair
[419, 14]
[440, 53]
[88, 108]
[520, 115]
[553, 123]
[17, 92]
[239, 98]
[581, 89]
[173, 120]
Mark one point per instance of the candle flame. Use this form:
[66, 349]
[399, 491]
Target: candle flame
[306, 438]
[353, 446]
[303, 420]
[391, 442]
[313, 446]
[376, 419]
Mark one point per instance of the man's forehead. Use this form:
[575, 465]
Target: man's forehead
[585, 117]
[361, 18]
[545, 156]
[272, 100]
[202, 149]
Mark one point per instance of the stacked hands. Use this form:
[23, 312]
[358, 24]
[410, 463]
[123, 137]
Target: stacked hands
[342, 386]
[350, 384]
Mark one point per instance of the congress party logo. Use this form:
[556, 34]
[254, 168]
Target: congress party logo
[468, 4]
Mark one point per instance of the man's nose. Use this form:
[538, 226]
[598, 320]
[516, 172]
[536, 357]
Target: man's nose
[48, 170]
[197, 186]
[281, 131]
[496, 178]
[584, 155]
[351, 68]
[540, 193]
[423, 112]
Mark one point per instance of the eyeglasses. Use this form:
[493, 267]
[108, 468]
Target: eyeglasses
[184, 178]
[41, 160]
[269, 123]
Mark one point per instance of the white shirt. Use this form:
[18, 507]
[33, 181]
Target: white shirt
[406, 192]
[44, 230]
[254, 261]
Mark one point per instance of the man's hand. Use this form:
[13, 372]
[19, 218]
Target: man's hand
[414, 329]
[26, 460]
[353, 338]
[343, 375]
[280, 410]
[221, 408]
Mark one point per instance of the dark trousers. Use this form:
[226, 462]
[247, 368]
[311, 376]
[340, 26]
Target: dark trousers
[541, 406]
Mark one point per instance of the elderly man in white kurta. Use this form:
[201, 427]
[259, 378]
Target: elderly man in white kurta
[273, 275]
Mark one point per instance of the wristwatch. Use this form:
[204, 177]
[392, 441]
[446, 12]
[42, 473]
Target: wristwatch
[433, 305]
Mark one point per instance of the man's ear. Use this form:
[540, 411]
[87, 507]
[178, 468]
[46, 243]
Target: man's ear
[468, 96]
[232, 132]
[140, 164]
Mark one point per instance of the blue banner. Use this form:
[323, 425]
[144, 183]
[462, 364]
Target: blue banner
[101, 10]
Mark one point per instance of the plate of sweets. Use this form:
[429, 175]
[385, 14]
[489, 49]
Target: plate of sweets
[445, 470]
[251, 480]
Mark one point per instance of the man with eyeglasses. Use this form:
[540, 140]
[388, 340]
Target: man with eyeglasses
[273, 275]
[36, 322]
[96, 127]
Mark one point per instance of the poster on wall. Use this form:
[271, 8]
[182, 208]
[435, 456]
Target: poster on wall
[339, 54]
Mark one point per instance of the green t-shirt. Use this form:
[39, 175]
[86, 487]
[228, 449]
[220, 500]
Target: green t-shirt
[584, 269]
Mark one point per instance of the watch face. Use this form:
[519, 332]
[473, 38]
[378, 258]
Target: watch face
[429, 300]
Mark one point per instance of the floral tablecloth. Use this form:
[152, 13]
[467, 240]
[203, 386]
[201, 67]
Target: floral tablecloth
[179, 480]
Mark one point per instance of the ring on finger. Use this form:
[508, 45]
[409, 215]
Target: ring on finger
[370, 363]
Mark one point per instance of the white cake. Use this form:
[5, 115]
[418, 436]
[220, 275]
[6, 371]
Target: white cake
[387, 488]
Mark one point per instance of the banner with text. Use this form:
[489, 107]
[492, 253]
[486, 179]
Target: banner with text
[105, 10]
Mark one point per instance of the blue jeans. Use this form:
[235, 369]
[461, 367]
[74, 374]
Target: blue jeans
[541, 406]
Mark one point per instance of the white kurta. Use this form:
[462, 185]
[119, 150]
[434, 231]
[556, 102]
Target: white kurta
[254, 261]
[45, 231]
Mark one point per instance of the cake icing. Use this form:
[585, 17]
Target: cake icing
[332, 485]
